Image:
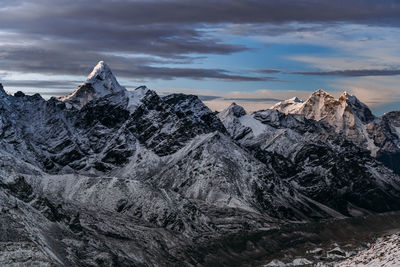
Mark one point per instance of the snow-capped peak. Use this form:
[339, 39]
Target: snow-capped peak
[346, 114]
[100, 68]
[348, 97]
[322, 105]
[142, 89]
[291, 105]
[99, 83]
[103, 78]
[295, 100]
[358, 108]
[234, 110]
[319, 105]
[321, 92]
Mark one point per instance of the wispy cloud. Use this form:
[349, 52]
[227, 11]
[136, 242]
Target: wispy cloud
[40, 84]
[352, 73]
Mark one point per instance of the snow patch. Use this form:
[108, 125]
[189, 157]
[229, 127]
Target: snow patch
[135, 97]
[255, 125]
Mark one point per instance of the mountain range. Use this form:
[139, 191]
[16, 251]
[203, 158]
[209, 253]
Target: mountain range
[111, 177]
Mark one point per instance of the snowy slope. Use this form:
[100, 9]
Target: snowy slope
[292, 105]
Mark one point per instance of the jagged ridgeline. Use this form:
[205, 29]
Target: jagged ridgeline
[106, 176]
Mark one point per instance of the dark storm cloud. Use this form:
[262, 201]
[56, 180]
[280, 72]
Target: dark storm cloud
[110, 27]
[69, 37]
[353, 73]
[127, 13]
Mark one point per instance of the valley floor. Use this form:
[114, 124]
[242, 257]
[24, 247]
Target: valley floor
[339, 242]
[361, 248]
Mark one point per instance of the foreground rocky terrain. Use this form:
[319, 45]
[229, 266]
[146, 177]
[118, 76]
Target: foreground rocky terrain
[111, 177]
[384, 252]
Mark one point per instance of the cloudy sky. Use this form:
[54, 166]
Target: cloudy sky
[251, 52]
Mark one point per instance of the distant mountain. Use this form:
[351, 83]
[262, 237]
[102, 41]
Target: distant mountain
[354, 120]
[347, 114]
[342, 112]
[319, 162]
[106, 176]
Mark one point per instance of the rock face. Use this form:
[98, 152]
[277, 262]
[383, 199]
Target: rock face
[385, 132]
[2, 92]
[111, 177]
